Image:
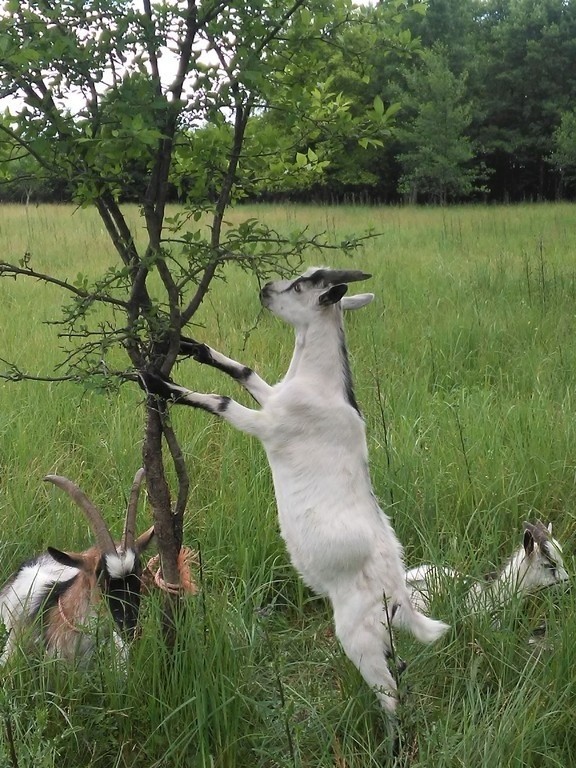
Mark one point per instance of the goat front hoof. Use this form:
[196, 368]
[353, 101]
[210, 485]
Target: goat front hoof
[400, 666]
[154, 383]
[195, 349]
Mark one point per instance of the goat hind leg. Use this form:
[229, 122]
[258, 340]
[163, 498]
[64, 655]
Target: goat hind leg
[367, 642]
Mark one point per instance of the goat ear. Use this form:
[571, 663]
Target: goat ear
[70, 559]
[528, 542]
[332, 295]
[144, 540]
[358, 301]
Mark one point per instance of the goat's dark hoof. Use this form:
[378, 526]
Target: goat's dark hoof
[154, 383]
[400, 666]
[192, 348]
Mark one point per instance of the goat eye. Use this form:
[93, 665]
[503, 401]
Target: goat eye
[297, 287]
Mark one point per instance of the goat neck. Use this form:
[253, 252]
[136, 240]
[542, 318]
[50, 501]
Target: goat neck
[318, 345]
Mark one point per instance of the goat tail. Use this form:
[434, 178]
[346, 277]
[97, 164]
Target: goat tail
[424, 629]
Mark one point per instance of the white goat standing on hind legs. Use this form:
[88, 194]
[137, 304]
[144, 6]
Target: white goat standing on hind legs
[338, 538]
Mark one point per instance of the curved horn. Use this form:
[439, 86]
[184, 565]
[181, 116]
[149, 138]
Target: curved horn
[103, 538]
[130, 522]
[336, 276]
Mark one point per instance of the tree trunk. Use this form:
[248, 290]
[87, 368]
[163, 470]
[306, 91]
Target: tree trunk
[168, 535]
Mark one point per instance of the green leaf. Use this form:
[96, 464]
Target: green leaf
[378, 106]
[421, 8]
[393, 109]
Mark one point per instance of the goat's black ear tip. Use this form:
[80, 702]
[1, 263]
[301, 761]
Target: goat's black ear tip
[53, 552]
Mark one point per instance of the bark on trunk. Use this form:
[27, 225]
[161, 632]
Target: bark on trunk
[168, 535]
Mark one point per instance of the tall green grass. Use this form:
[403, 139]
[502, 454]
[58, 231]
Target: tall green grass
[464, 366]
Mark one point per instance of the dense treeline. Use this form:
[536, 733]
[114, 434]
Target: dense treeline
[475, 99]
[488, 106]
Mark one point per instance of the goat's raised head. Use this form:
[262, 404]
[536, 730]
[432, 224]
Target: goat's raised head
[298, 301]
[543, 561]
[111, 567]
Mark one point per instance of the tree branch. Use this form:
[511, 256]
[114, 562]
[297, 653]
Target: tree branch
[242, 113]
[273, 33]
[151, 49]
[123, 239]
[14, 271]
[181, 473]
[15, 374]
[185, 50]
[22, 143]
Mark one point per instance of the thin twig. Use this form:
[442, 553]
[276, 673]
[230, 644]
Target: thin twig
[13, 270]
[15, 374]
[181, 472]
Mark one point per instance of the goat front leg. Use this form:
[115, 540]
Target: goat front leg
[244, 375]
[245, 419]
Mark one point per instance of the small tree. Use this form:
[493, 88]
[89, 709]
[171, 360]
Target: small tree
[109, 98]
[437, 163]
[564, 155]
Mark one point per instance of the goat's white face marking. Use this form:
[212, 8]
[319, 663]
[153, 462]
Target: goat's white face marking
[121, 565]
[551, 564]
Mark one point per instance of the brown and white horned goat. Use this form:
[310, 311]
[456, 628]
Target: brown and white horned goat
[58, 598]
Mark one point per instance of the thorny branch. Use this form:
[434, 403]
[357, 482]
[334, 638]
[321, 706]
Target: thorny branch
[15, 374]
[13, 270]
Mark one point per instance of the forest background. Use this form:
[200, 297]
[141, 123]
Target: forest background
[481, 109]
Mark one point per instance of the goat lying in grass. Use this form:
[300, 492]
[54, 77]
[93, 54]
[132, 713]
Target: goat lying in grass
[57, 597]
[536, 564]
[338, 538]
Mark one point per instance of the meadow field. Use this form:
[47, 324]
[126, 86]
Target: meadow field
[464, 367]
